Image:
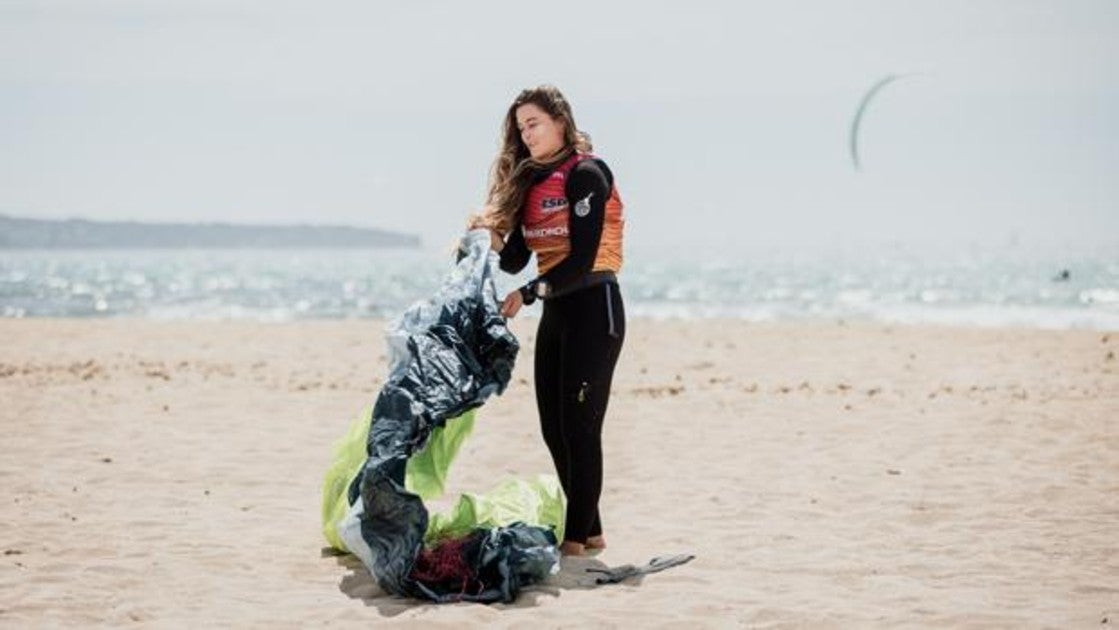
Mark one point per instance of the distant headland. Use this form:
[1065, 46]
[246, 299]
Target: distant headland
[17, 233]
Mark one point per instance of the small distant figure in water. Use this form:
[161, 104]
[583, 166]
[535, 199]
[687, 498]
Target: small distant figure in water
[1064, 276]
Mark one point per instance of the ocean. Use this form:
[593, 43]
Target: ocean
[1013, 287]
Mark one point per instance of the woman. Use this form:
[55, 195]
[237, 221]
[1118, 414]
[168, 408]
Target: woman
[550, 196]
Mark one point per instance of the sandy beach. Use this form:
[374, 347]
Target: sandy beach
[824, 475]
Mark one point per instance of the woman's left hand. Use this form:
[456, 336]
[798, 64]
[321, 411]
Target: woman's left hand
[513, 303]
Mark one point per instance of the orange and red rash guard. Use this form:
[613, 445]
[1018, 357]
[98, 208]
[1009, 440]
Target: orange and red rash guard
[572, 219]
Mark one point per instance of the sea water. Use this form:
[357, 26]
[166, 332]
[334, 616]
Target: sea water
[1015, 287]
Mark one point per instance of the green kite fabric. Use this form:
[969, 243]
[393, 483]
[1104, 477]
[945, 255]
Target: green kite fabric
[539, 502]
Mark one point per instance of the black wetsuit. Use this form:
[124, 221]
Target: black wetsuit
[577, 345]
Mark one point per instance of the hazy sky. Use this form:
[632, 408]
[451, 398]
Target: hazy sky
[725, 123]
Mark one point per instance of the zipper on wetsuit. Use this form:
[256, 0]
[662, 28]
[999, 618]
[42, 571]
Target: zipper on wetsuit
[610, 311]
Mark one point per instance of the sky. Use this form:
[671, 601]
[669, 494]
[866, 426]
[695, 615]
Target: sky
[725, 123]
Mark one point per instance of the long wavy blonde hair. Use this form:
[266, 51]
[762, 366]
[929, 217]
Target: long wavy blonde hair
[513, 169]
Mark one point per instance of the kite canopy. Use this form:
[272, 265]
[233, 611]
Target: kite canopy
[447, 356]
[856, 122]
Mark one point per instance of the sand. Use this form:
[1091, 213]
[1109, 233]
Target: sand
[824, 474]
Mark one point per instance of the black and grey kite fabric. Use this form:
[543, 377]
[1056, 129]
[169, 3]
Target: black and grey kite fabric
[448, 355]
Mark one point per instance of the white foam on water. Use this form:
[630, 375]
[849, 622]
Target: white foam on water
[276, 286]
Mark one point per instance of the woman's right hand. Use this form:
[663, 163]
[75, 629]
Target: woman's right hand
[496, 242]
[475, 221]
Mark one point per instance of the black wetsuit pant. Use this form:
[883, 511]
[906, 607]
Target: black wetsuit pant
[577, 346]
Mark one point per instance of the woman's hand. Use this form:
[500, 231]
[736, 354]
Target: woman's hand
[513, 303]
[475, 221]
[496, 242]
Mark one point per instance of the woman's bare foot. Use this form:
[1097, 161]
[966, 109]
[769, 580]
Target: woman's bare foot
[596, 542]
[571, 548]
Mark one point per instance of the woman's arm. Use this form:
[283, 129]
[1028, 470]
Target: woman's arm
[515, 253]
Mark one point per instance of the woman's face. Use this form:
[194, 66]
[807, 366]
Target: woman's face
[542, 134]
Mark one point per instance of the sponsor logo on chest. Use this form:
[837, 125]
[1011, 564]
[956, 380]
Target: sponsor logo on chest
[549, 205]
[545, 232]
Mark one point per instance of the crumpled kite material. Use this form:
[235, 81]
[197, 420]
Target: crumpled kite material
[448, 355]
[539, 501]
